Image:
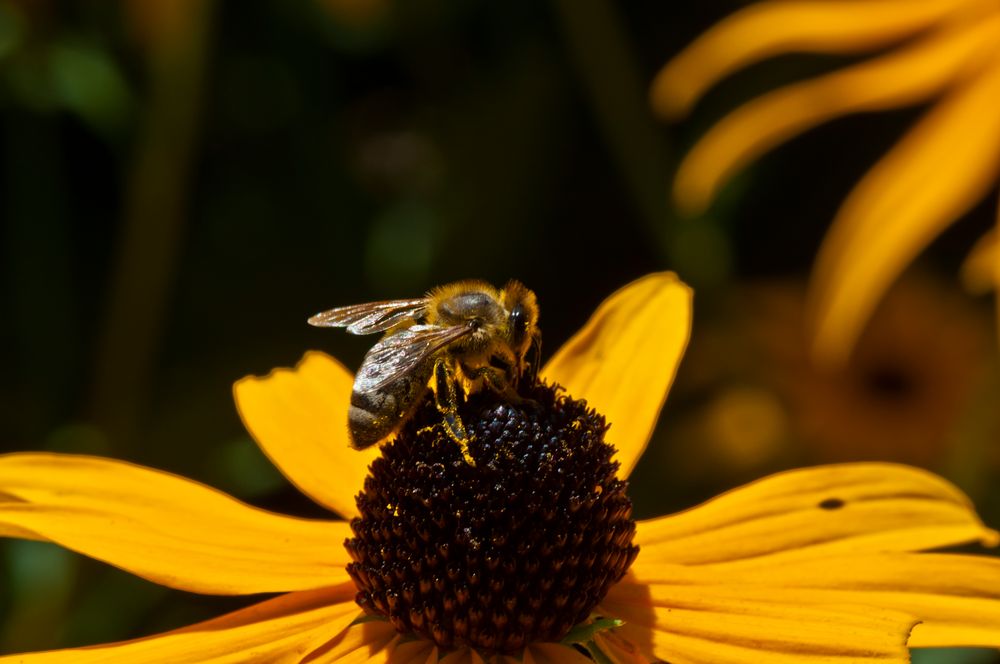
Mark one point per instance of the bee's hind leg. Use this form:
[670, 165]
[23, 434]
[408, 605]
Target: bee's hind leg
[446, 400]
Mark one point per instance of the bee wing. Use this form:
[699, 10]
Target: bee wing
[371, 317]
[398, 354]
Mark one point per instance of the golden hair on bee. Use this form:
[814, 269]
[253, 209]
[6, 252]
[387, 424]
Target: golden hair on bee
[459, 338]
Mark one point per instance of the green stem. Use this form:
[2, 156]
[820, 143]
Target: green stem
[154, 212]
[600, 50]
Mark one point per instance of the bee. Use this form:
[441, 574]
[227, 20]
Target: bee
[457, 339]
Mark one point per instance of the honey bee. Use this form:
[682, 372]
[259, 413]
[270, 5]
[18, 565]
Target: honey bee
[460, 337]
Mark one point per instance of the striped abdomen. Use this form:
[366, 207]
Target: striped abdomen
[374, 415]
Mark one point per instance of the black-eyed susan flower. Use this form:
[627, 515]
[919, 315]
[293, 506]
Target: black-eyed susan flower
[945, 51]
[532, 555]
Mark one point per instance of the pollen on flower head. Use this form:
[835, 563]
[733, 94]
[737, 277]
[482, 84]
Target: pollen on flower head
[515, 550]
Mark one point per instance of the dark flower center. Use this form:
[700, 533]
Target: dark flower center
[517, 549]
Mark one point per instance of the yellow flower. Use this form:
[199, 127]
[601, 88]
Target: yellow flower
[761, 403]
[903, 392]
[942, 50]
[806, 566]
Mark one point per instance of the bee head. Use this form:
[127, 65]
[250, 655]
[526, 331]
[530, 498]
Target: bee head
[522, 321]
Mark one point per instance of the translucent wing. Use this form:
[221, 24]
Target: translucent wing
[371, 317]
[398, 354]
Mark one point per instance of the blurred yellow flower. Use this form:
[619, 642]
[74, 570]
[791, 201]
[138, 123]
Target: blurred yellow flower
[981, 270]
[902, 394]
[807, 566]
[942, 50]
[754, 401]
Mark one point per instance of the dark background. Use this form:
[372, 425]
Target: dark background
[183, 183]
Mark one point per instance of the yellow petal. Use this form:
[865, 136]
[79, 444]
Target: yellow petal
[518, 658]
[900, 78]
[720, 629]
[619, 650]
[765, 29]
[299, 418]
[864, 507]
[372, 641]
[940, 169]
[625, 358]
[955, 597]
[462, 656]
[419, 651]
[165, 528]
[981, 269]
[278, 631]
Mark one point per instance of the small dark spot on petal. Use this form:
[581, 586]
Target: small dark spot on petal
[831, 504]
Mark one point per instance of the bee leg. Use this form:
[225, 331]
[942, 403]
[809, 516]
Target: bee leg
[499, 382]
[446, 400]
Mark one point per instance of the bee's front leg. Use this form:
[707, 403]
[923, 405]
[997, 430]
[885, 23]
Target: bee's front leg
[446, 400]
[498, 381]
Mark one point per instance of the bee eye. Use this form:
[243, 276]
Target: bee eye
[518, 324]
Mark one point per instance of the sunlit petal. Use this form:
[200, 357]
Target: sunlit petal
[625, 358]
[717, 629]
[765, 29]
[902, 77]
[937, 172]
[866, 507]
[278, 631]
[299, 418]
[165, 528]
[956, 597]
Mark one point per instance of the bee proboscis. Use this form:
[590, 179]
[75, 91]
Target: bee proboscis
[459, 338]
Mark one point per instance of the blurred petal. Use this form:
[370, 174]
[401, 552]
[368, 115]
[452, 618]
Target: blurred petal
[939, 170]
[299, 418]
[278, 631]
[981, 269]
[719, 629]
[816, 512]
[165, 528]
[765, 29]
[900, 78]
[625, 358]
[996, 257]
